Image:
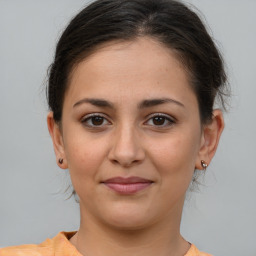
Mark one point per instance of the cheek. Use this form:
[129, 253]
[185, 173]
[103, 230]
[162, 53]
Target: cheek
[175, 158]
[84, 157]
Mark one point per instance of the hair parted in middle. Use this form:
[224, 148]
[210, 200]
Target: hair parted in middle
[169, 22]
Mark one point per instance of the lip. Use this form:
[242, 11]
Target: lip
[127, 185]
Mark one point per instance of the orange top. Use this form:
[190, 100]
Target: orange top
[60, 246]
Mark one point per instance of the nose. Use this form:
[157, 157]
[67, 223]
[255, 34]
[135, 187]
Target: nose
[126, 148]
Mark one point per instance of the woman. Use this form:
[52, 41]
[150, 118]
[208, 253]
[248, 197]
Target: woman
[131, 94]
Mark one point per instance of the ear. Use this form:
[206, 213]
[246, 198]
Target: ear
[57, 140]
[210, 138]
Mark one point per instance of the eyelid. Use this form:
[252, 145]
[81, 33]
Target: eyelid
[163, 115]
[88, 116]
[169, 118]
[84, 117]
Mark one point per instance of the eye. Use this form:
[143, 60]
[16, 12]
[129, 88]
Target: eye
[160, 120]
[95, 120]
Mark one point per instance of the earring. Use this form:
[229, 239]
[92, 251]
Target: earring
[60, 160]
[204, 165]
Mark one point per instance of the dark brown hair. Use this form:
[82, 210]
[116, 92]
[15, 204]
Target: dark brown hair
[168, 21]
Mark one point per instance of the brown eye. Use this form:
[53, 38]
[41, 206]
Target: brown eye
[159, 120]
[97, 120]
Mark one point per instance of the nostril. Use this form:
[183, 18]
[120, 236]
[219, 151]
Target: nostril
[125, 164]
[114, 161]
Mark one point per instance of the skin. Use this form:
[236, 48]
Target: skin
[128, 141]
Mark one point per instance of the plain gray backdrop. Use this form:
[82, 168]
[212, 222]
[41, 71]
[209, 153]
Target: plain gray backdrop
[220, 219]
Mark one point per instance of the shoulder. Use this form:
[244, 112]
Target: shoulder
[193, 251]
[57, 246]
[22, 250]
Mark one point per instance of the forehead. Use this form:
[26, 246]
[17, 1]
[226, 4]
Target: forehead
[143, 67]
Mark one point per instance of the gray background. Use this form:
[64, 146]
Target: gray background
[219, 219]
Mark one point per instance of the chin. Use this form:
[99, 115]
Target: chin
[128, 217]
[128, 224]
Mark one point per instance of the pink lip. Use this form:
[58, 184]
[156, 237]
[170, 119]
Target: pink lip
[129, 185]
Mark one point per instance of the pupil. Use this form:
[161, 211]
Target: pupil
[97, 120]
[158, 120]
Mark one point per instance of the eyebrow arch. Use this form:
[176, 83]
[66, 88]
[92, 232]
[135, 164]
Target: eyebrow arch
[155, 102]
[95, 102]
[144, 104]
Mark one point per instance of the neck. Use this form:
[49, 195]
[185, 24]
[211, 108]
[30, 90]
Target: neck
[98, 239]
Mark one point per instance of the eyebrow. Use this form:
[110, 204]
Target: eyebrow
[154, 102]
[144, 104]
[95, 102]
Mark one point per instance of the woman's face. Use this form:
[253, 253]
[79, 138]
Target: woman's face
[131, 134]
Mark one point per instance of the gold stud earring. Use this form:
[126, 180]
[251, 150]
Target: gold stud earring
[204, 165]
[60, 160]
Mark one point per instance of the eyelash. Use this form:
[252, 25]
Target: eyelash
[167, 118]
[88, 118]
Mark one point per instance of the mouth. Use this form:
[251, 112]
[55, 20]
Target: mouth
[129, 185]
